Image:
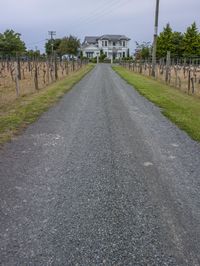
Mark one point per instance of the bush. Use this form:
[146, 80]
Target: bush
[93, 60]
[107, 60]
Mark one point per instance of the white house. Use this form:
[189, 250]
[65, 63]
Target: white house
[113, 46]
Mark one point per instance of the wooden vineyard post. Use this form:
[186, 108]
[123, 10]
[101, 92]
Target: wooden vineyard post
[67, 68]
[36, 77]
[73, 68]
[167, 67]
[16, 79]
[189, 79]
[29, 65]
[44, 74]
[56, 67]
[48, 78]
[140, 66]
[19, 68]
[192, 81]
[176, 75]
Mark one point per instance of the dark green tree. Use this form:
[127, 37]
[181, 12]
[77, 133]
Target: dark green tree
[55, 43]
[102, 56]
[81, 54]
[33, 54]
[11, 43]
[69, 45]
[165, 41]
[177, 44]
[191, 41]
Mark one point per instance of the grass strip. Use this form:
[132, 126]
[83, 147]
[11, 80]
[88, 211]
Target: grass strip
[180, 108]
[27, 109]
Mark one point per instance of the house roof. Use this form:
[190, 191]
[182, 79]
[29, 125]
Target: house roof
[112, 37]
[91, 39]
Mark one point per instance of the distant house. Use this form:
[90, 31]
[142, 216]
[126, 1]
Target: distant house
[113, 46]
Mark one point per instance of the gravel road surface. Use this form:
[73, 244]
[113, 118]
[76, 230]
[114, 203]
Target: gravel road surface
[102, 178]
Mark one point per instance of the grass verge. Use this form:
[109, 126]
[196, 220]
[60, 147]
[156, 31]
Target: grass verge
[27, 109]
[180, 108]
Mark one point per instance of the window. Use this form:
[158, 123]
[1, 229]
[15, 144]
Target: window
[102, 43]
[89, 54]
[124, 54]
[114, 43]
[106, 43]
[124, 43]
[106, 54]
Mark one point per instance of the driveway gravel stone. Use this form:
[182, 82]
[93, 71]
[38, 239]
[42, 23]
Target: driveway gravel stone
[102, 178]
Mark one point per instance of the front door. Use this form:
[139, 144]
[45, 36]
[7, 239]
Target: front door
[114, 53]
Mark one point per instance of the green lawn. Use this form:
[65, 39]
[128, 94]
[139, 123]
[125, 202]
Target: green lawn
[180, 108]
[26, 110]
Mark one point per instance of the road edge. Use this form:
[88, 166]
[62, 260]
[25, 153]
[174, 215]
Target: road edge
[28, 109]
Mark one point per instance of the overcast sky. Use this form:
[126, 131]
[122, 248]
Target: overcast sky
[134, 18]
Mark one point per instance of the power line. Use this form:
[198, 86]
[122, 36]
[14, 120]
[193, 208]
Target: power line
[106, 10]
[97, 11]
[103, 12]
[33, 43]
[96, 15]
[31, 46]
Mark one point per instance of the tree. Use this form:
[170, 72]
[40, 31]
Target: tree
[11, 43]
[143, 50]
[191, 41]
[165, 41]
[33, 54]
[102, 56]
[177, 44]
[187, 44]
[81, 54]
[69, 45]
[55, 43]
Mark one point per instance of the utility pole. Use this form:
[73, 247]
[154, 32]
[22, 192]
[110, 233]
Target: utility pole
[52, 33]
[155, 40]
[53, 55]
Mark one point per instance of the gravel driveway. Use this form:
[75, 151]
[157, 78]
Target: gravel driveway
[102, 178]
